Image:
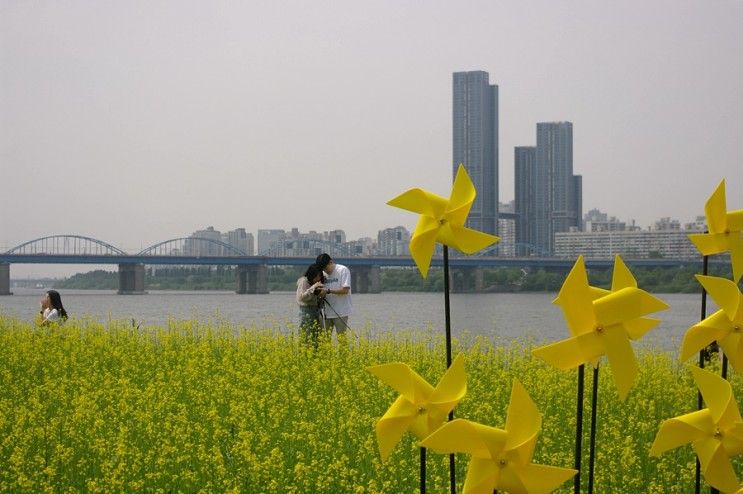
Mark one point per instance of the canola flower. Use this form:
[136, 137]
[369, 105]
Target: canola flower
[190, 407]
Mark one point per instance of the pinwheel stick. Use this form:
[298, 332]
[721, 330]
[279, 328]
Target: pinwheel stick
[702, 357]
[447, 310]
[579, 427]
[592, 444]
[423, 471]
[447, 319]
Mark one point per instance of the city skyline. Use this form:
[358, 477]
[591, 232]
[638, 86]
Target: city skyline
[122, 121]
[604, 236]
[236, 235]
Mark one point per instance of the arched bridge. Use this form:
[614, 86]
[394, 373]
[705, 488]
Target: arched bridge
[65, 244]
[252, 271]
[192, 246]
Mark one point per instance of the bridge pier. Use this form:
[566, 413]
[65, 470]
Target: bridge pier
[5, 279]
[467, 280]
[252, 279]
[479, 276]
[131, 279]
[366, 279]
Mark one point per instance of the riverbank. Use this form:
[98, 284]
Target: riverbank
[506, 316]
[503, 280]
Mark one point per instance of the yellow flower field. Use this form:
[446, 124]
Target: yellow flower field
[213, 408]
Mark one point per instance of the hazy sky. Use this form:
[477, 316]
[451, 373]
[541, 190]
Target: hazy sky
[135, 122]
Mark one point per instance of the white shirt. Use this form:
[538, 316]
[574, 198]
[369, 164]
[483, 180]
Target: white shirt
[50, 315]
[338, 305]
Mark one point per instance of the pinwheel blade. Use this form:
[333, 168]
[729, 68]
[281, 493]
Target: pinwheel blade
[725, 293]
[483, 476]
[715, 209]
[575, 299]
[735, 220]
[420, 201]
[622, 277]
[710, 243]
[534, 479]
[523, 422]
[451, 388]
[626, 304]
[637, 328]
[462, 196]
[732, 347]
[682, 430]
[716, 466]
[423, 243]
[622, 359]
[718, 396]
[736, 256]
[701, 335]
[393, 424]
[404, 380]
[464, 436]
[565, 354]
[466, 239]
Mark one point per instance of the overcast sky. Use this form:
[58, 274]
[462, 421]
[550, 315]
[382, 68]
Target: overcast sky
[135, 122]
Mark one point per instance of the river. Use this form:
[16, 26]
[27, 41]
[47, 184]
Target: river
[502, 315]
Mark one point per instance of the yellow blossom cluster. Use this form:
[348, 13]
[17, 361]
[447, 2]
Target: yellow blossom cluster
[191, 407]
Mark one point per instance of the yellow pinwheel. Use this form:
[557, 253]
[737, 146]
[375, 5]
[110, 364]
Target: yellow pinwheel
[442, 220]
[501, 459]
[602, 323]
[715, 433]
[420, 408]
[724, 326]
[724, 231]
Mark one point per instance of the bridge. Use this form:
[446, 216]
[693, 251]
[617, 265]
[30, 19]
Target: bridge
[252, 271]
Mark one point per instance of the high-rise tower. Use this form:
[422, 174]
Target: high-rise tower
[475, 143]
[557, 192]
[524, 200]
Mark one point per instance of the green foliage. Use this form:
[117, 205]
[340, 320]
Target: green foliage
[181, 278]
[658, 280]
[92, 280]
[410, 280]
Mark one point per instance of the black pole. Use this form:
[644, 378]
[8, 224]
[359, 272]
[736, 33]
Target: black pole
[423, 471]
[702, 358]
[447, 318]
[579, 428]
[447, 310]
[698, 469]
[592, 447]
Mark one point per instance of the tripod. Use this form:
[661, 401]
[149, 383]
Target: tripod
[323, 302]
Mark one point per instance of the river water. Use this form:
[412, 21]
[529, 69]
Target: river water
[505, 316]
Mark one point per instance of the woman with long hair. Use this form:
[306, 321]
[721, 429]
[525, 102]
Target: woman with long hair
[52, 308]
[310, 294]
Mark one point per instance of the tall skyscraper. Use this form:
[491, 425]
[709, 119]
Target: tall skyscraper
[557, 192]
[524, 200]
[475, 143]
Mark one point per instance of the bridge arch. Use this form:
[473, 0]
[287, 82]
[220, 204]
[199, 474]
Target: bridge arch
[66, 244]
[192, 246]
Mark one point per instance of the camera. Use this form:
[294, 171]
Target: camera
[317, 291]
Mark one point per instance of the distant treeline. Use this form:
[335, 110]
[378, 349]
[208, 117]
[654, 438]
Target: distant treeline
[660, 280]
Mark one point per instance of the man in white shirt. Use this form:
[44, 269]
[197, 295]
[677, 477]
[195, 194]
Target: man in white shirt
[338, 298]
